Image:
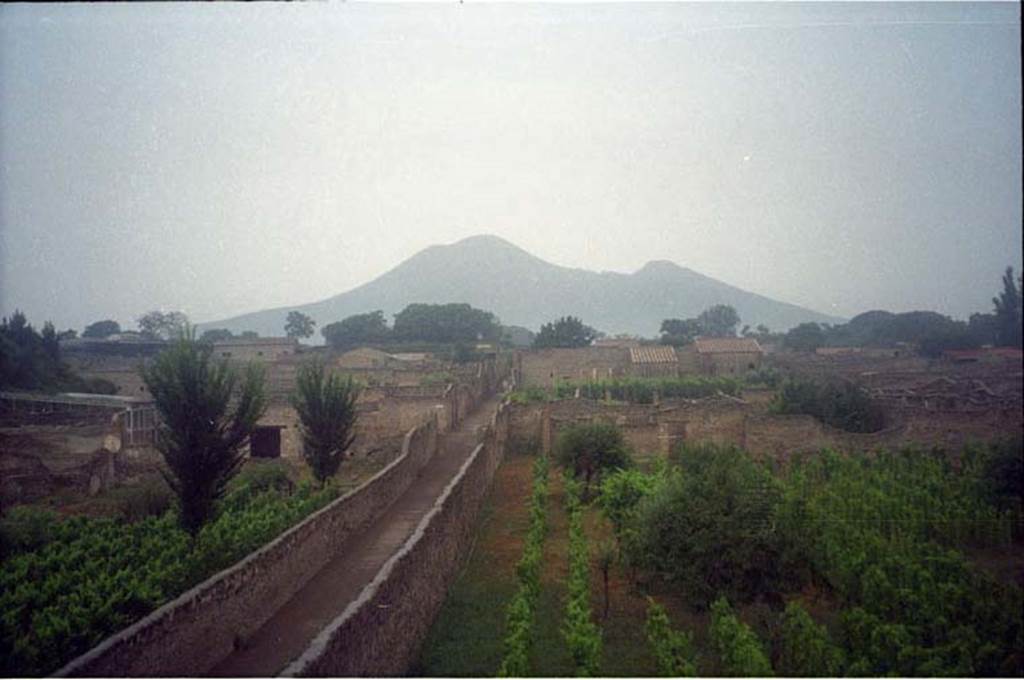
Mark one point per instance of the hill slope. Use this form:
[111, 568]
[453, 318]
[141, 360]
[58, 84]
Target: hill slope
[491, 273]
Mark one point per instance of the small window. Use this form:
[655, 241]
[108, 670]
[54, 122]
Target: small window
[259, 354]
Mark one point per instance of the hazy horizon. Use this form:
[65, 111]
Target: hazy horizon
[223, 159]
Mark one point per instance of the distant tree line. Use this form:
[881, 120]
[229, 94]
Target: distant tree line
[448, 323]
[717, 321]
[932, 333]
[30, 360]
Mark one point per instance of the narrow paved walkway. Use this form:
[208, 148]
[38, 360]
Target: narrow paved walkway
[290, 631]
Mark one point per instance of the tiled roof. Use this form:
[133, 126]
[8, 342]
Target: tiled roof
[653, 355]
[727, 346]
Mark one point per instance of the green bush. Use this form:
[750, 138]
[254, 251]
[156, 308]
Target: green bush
[805, 649]
[673, 649]
[24, 529]
[588, 450]
[149, 499]
[582, 635]
[709, 526]
[521, 611]
[96, 576]
[739, 651]
[840, 404]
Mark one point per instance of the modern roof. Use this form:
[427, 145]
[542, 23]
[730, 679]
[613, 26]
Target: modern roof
[659, 354]
[727, 346]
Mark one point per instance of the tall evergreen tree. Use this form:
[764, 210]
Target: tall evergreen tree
[1008, 311]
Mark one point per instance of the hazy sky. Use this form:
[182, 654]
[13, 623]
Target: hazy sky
[227, 158]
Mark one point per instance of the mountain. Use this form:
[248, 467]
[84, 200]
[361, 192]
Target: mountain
[521, 289]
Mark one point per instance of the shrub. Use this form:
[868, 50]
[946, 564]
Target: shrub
[520, 614]
[840, 404]
[805, 649]
[582, 635]
[708, 526]
[149, 499]
[739, 651]
[673, 649]
[24, 529]
[588, 450]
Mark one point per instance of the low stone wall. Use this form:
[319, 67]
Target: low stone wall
[191, 634]
[380, 633]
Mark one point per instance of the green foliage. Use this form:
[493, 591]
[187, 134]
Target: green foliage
[213, 335]
[568, 331]
[621, 493]
[740, 652]
[719, 321]
[806, 337]
[206, 419]
[1002, 470]
[23, 529]
[679, 332]
[1008, 311]
[766, 376]
[805, 649]
[673, 649]
[521, 612]
[454, 323]
[149, 499]
[934, 344]
[30, 360]
[96, 576]
[529, 395]
[708, 526]
[877, 531]
[840, 404]
[326, 404]
[163, 325]
[101, 329]
[588, 450]
[358, 329]
[299, 325]
[582, 636]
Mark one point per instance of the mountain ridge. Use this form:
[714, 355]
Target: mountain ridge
[522, 289]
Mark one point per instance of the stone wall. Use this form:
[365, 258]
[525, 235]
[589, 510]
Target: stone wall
[380, 633]
[189, 635]
[545, 367]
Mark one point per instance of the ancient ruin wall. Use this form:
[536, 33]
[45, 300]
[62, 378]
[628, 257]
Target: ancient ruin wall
[189, 635]
[380, 633]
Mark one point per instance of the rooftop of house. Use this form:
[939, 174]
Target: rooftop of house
[657, 354]
[727, 346]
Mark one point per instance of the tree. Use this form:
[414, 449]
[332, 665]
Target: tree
[299, 325]
[679, 332]
[101, 329]
[1008, 311]
[326, 405]
[249, 335]
[719, 321]
[358, 329]
[708, 525]
[984, 328]
[806, 337]
[587, 450]
[456, 322]
[207, 412]
[162, 325]
[69, 334]
[567, 331]
[212, 335]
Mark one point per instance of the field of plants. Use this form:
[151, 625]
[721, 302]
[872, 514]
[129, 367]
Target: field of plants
[723, 565]
[65, 585]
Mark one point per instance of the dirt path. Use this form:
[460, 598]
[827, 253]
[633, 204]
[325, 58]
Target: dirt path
[285, 636]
